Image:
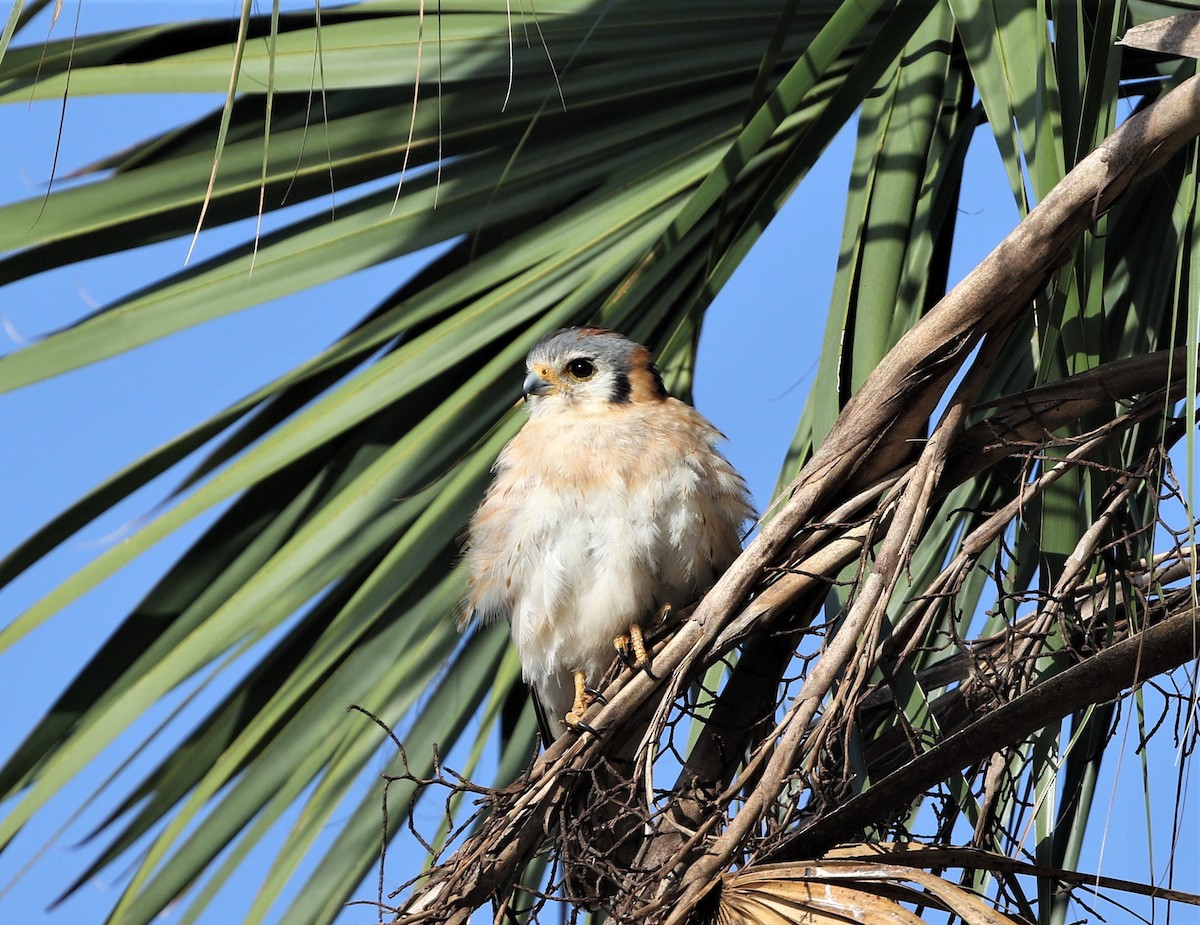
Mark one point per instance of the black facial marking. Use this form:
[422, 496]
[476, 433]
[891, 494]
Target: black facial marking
[660, 388]
[621, 389]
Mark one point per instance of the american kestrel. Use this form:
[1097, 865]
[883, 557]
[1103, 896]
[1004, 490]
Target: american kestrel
[611, 502]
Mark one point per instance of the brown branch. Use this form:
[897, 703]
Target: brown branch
[1018, 424]
[1097, 679]
[876, 430]
[869, 607]
[976, 694]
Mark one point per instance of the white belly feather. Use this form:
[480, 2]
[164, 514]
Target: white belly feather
[594, 562]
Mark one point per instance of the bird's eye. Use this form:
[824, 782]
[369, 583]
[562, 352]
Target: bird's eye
[581, 369]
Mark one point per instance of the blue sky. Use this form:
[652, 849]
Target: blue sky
[66, 435]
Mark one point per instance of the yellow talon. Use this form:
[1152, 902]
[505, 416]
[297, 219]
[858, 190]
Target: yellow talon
[631, 647]
[583, 700]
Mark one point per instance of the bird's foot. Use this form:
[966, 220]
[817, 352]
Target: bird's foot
[584, 697]
[631, 647]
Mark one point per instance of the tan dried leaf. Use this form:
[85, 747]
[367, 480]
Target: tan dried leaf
[832, 892]
[1173, 35]
[752, 897]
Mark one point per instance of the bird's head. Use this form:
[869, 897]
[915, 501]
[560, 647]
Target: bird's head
[594, 368]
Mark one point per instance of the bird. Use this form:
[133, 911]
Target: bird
[611, 504]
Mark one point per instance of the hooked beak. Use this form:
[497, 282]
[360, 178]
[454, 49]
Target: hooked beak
[535, 385]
